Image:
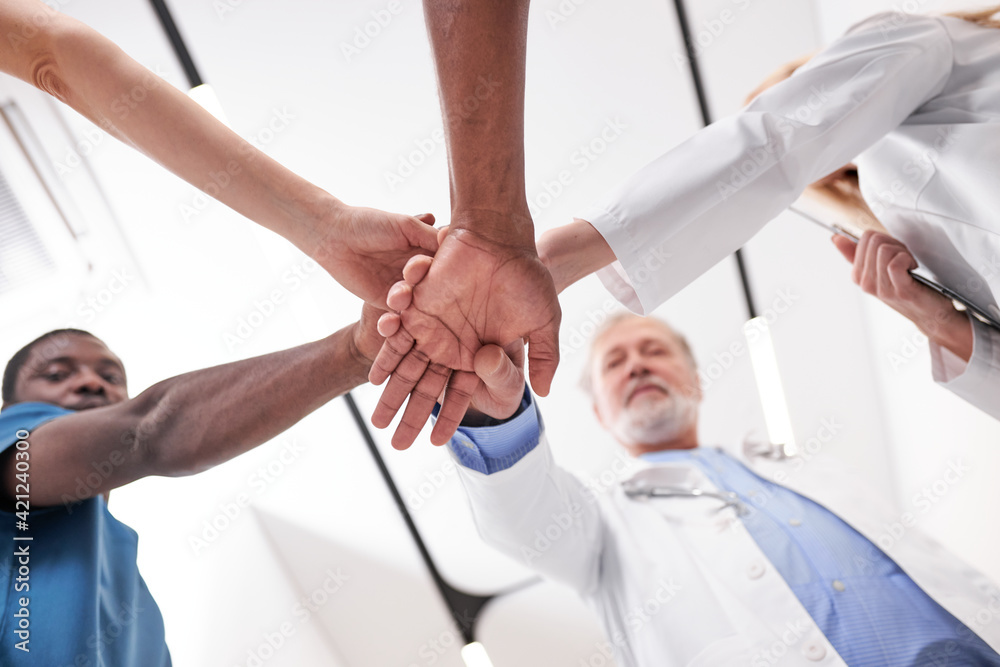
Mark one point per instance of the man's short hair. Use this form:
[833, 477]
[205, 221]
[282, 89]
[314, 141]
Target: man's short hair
[587, 379]
[20, 358]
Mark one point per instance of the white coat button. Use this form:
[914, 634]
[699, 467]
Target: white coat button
[838, 585]
[755, 571]
[814, 650]
[794, 522]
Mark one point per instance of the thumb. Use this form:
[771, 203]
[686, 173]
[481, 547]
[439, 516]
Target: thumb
[416, 268]
[503, 381]
[846, 246]
[543, 357]
[496, 370]
[400, 296]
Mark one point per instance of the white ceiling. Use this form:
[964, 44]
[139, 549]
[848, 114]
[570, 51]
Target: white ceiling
[352, 121]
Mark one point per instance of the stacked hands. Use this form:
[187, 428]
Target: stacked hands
[458, 330]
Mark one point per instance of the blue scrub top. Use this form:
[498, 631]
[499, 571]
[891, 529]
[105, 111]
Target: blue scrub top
[79, 594]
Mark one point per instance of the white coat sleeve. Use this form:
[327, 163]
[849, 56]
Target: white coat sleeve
[540, 515]
[978, 380]
[698, 203]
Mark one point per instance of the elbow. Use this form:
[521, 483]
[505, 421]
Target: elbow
[157, 438]
[46, 61]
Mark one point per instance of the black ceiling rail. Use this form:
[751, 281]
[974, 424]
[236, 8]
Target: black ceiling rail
[464, 607]
[177, 42]
[706, 119]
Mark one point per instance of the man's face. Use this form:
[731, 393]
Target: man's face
[72, 371]
[645, 388]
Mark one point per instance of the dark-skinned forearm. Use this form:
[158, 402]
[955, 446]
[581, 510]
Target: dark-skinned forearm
[479, 51]
[198, 420]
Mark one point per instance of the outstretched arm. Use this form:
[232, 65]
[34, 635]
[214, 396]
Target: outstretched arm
[487, 284]
[194, 421]
[362, 249]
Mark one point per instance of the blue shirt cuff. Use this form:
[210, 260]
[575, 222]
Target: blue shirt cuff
[490, 449]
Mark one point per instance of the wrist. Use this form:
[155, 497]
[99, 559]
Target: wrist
[476, 419]
[318, 217]
[951, 329]
[572, 252]
[356, 364]
[506, 226]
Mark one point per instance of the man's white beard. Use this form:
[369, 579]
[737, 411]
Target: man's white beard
[650, 421]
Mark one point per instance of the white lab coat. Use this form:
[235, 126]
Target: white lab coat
[677, 583]
[914, 100]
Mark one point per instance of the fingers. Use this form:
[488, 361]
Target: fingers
[422, 234]
[400, 296]
[403, 379]
[394, 349]
[457, 399]
[443, 232]
[422, 400]
[388, 324]
[543, 357]
[884, 254]
[416, 268]
[897, 273]
[860, 257]
[846, 246]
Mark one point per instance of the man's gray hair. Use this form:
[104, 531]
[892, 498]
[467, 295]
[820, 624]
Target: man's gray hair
[587, 377]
